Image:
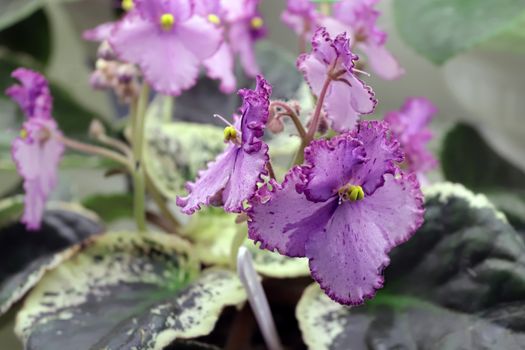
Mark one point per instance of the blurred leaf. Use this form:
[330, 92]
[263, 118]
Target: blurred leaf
[396, 322]
[110, 207]
[466, 158]
[12, 11]
[126, 291]
[175, 151]
[278, 67]
[26, 256]
[213, 233]
[31, 36]
[440, 29]
[457, 284]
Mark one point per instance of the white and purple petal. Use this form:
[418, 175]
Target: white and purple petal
[210, 183]
[282, 219]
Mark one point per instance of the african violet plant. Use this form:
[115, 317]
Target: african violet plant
[305, 184]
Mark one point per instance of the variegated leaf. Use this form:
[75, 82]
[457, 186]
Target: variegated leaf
[126, 291]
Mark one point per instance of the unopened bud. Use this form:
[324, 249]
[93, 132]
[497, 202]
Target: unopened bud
[96, 129]
[275, 125]
[126, 73]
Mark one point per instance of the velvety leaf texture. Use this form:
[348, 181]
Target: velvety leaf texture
[26, 256]
[440, 29]
[128, 292]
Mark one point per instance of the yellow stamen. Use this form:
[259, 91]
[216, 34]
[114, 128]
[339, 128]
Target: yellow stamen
[355, 193]
[213, 18]
[230, 133]
[257, 22]
[167, 21]
[128, 5]
[23, 134]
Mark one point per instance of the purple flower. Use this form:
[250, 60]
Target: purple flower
[243, 34]
[410, 126]
[329, 70]
[345, 209]
[232, 178]
[301, 16]
[36, 152]
[168, 41]
[361, 17]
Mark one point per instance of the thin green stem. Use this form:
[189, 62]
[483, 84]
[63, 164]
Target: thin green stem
[161, 203]
[289, 112]
[137, 141]
[314, 124]
[95, 150]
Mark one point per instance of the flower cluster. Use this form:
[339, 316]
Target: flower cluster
[170, 40]
[36, 152]
[356, 18]
[347, 205]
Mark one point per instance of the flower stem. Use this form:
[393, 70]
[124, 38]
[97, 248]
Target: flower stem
[314, 124]
[95, 150]
[290, 113]
[161, 203]
[137, 140]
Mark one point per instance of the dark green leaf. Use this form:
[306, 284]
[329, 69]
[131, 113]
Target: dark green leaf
[12, 11]
[466, 158]
[465, 256]
[26, 256]
[31, 36]
[126, 291]
[395, 322]
[440, 29]
[110, 207]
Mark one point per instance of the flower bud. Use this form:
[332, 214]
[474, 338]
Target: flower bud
[96, 129]
[105, 52]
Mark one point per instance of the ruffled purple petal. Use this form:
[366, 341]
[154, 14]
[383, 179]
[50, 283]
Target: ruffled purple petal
[100, 32]
[210, 183]
[282, 219]
[247, 172]
[383, 63]
[396, 207]
[382, 152]
[220, 66]
[330, 165]
[340, 112]
[33, 95]
[255, 112]
[314, 72]
[348, 258]
[169, 60]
